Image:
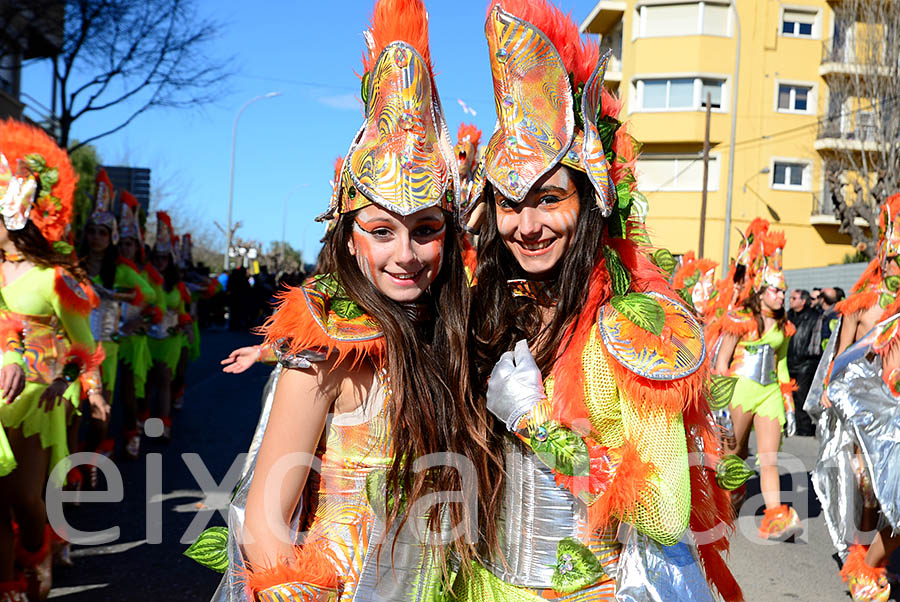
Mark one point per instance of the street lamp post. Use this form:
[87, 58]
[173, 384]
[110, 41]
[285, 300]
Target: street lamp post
[726, 246]
[231, 177]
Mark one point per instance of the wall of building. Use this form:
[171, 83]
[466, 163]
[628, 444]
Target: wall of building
[767, 138]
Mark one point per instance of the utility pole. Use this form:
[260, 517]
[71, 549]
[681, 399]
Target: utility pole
[705, 177]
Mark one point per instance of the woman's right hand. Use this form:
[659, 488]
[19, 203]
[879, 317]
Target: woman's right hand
[12, 381]
[53, 394]
[826, 403]
[241, 359]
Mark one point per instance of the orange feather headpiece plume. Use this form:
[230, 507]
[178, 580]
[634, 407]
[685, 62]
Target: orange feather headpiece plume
[165, 234]
[397, 21]
[468, 132]
[37, 181]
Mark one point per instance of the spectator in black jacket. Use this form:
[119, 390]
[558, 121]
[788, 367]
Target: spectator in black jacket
[804, 352]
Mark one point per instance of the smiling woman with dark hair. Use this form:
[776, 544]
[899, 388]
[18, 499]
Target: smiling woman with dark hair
[594, 370]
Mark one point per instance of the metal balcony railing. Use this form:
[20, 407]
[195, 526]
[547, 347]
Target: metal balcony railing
[833, 128]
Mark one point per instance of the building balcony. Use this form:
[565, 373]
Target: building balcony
[605, 15]
[833, 136]
[614, 71]
[839, 59]
[822, 213]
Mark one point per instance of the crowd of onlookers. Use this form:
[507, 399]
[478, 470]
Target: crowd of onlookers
[245, 300]
[814, 317]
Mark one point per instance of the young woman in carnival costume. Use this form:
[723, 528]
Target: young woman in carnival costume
[379, 345]
[603, 418]
[46, 332]
[191, 343]
[167, 338]
[117, 284]
[136, 316]
[853, 400]
[753, 350]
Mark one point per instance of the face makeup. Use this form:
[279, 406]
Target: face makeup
[773, 298]
[400, 255]
[539, 230]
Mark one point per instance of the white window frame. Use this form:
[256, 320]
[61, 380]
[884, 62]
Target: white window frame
[817, 22]
[698, 157]
[637, 88]
[805, 186]
[638, 29]
[812, 99]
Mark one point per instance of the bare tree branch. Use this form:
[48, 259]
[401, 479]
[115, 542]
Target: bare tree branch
[139, 54]
[863, 114]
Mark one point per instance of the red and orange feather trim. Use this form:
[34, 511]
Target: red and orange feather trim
[398, 21]
[80, 301]
[313, 564]
[294, 328]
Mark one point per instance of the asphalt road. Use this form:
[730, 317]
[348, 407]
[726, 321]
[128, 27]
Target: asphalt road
[217, 423]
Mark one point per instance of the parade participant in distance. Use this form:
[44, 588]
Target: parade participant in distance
[46, 332]
[582, 350]
[754, 350]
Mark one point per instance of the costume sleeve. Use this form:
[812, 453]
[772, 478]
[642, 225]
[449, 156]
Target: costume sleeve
[663, 506]
[127, 278]
[72, 306]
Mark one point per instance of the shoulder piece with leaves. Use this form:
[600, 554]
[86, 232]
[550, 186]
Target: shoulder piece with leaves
[318, 316]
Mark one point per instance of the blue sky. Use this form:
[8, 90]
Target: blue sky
[286, 146]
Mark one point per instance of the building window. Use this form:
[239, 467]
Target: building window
[674, 173]
[683, 19]
[795, 99]
[789, 175]
[798, 23]
[679, 94]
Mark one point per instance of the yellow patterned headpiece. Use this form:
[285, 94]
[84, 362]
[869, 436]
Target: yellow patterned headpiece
[767, 264]
[541, 119]
[402, 157]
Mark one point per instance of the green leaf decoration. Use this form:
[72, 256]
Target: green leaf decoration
[664, 259]
[376, 494]
[345, 308]
[576, 567]
[211, 549]
[62, 247]
[732, 472]
[621, 279]
[892, 283]
[577, 96]
[561, 449]
[692, 279]
[643, 311]
[721, 390]
[884, 300]
[364, 90]
[685, 295]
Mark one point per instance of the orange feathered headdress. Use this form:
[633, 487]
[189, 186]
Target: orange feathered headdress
[129, 217]
[468, 132]
[165, 234]
[551, 106]
[402, 157]
[37, 181]
[103, 206]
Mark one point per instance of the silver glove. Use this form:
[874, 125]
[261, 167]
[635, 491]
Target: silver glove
[790, 424]
[515, 387]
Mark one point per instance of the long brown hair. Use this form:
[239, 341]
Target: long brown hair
[754, 304]
[498, 320]
[432, 409]
[31, 243]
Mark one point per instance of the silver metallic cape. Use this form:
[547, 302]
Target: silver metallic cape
[649, 571]
[866, 407]
[834, 476]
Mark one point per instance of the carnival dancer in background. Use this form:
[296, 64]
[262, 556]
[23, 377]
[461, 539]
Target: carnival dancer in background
[116, 284]
[191, 342]
[45, 319]
[134, 352]
[380, 345]
[695, 281]
[754, 350]
[853, 399]
[582, 351]
[167, 338]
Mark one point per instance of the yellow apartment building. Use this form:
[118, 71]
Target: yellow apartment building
[669, 55]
